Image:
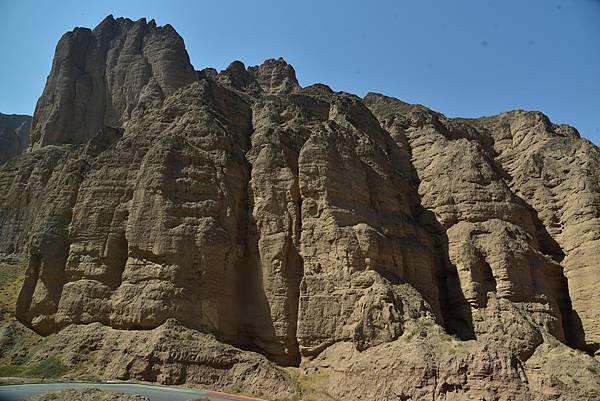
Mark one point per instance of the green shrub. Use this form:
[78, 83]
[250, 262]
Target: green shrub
[49, 367]
[11, 279]
[10, 371]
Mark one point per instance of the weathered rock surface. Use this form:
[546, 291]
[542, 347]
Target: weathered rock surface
[99, 76]
[382, 248]
[168, 354]
[524, 203]
[426, 364]
[556, 172]
[14, 135]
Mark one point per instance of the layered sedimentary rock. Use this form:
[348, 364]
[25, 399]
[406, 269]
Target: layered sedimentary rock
[99, 76]
[169, 354]
[319, 229]
[14, 135]
[556, 172]
[526, 174]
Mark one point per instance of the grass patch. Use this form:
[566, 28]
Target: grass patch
[10, 371]
[49, 367]
[12, 276]
[311, 387]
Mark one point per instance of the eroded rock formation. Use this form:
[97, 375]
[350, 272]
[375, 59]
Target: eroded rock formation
[357, 239]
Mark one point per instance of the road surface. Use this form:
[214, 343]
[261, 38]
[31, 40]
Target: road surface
[18, 392]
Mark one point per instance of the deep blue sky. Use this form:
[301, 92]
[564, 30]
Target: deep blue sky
[460, 57]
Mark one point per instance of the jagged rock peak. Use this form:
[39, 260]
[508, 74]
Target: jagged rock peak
[347, 237]
[100, 76]
[237, 76]
[318, 90]
[275, 76]
[271, 77]
[110, 23]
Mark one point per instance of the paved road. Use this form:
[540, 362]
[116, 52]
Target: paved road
[17, 392]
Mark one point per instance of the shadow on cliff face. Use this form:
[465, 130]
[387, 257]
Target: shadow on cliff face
[257, 329]
[576, 334]
[268, 310]
[571, 323]
[456, 311]
[46, 268]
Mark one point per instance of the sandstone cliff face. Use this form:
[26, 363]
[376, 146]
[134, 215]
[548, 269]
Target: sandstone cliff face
[354, 238]
[14, 135]
[99, 76]
[555, 171]
[515, 164]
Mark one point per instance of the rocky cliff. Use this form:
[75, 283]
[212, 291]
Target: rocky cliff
[365, 248]
[14, 135]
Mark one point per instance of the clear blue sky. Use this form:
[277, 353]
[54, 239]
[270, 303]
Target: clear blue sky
[460, 57]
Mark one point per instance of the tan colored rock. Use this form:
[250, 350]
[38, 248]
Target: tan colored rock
[556, 172]
[168, 354]
[295, 173]
[275, 76]
[426, 363]
[99, 76]
[497, 246]
[358, 232]
[379, 247]
[149, 243]
[428, 367]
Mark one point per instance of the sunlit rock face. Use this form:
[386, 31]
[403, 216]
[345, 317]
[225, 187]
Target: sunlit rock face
[100, 76]
[364, 238]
